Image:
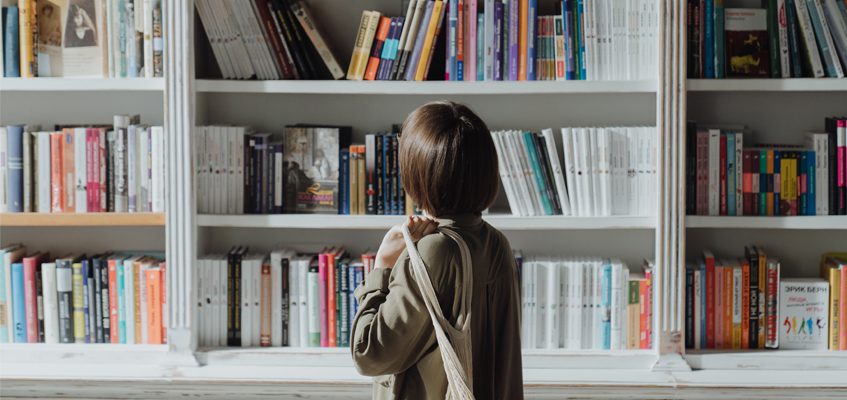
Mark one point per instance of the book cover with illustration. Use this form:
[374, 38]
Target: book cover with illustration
[803, 314]
[747, 42]
[310, 164]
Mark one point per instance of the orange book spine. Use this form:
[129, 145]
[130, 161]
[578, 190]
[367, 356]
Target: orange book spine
[68, 170]
[265, 327]
[522, 38]
[745, 305]
[56, 198]
[727, 307]
[136, 286]
[154, 305]
[429, 46]
[331, 303]
[163, 293]
[113, 301]
[376, 50]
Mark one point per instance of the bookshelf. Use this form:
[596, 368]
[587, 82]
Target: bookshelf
[76, 220]
[190, 95]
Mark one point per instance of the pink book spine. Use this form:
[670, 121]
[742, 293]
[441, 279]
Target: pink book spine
[841, 137]
[470, 40]
[842, 320]
[94, 160]
[89, 169]
[101, 164]
[322, 266]
[30, 303]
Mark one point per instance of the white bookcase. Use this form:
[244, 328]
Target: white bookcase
[190, 95]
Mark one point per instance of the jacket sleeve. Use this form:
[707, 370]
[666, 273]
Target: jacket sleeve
[392, 329]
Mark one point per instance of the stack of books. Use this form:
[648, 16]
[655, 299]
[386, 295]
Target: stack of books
[94, 168]
[585, 304]
[726, 178]
[117, 297]
[94, 38]
[784, 39]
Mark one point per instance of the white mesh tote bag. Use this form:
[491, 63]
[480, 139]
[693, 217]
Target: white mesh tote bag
[454, 342]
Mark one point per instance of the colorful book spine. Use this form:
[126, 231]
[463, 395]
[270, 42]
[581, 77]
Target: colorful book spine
[78, 296]
[31, 304]
[18, 297]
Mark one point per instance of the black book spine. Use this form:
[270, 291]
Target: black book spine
[39, 302]
[693, 30]
[390, 173]
[248, 202]
[230, 301]
[753, 260]
[689, 308]
[286, 302]
[395, 168]
[344, 304]
[292, 39]
[378, 176]
[547, 173]
[236, 298]
[691, 169]
[103, 270]
[110, 171]
[831, 132]
[269, 178]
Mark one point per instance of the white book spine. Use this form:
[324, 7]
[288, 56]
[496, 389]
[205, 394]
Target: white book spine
[782, 22]
[294, 303]
[570, 169]
[594, 138]
[503, 168]
[575, 320]
[303, 282]
[80, 178]
[552, 293]
[832, 55]
[558, 174]
[714, 171]
[564, 304]
[129, 299]
[148, 38]
[246, 298]
[51, 303]
[276, 299]
[808, 34]
[132, 168]
[257, 301]
[42, 140]
[587, 305]
[618, 304]
[517, 174]
[598, 311]
[541, 328]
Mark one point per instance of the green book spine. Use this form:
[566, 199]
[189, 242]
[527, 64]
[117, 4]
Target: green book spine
[536, 172]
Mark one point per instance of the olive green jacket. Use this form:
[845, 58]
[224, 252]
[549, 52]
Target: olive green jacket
[392, 335]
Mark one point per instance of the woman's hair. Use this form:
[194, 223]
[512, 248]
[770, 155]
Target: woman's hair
[448, 163]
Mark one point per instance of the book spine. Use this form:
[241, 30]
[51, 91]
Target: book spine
[709, 40]
[78, 302]
[285, 303]
[376, 50]
[265, 321]
[754, 300]
[745, 305]
[313, 307]
[307, 22]
[87, 308]
[808, 35]
[370, 168]
[14, 167]
[30, 265]
[64, 288]
[331, 302]
[153, 280]
[711, 319]
[344, 194]
[322, 299]
[497, 62]
[17, 299]
[722, 165]
[379, 175]
[11, 45]
[50, 303]
[772, 305]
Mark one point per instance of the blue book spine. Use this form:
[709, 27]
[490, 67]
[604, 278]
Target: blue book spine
[119, 277]
[344, 183]
[777, 182]
[18, 303]
[709, 39]
[480, 46]
[810, 183]
[802, 190]
[720, 40]
[412, 67]
[536, 171]
[387, 49]
[11, 47]
[606, 307]
[14, 168]
[530, 40]
[817, 25]
[86, 304]
[794, 39]
[579, 36]
[453, 21]
[567, 19]
[702, 321]
[395, 176]
[514, 32]
[730, 174]
[498, 41]
[351, 286]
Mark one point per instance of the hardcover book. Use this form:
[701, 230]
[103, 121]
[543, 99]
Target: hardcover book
[311, 165]
[747, 48]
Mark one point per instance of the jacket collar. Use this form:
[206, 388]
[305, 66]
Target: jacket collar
[460, 220]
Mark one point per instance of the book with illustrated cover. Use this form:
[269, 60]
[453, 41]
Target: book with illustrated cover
[747, 46]
[803, 314]
[311, 167]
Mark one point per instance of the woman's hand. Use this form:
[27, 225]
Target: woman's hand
[393, 244]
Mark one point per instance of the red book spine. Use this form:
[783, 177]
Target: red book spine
[648, 277]
[56, 192]
[722, 168]
[322, 298]
[101, 168]
[710, 302]
[30, 301]
[460, 40]
[331, 301]
[745, 304]
[113, 301]
[643, 315]
[282, 62]
[771, 305]
[747, 181]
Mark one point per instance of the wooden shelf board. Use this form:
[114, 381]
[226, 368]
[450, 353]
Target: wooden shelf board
[715, 359]
[820, 222]
[82, 85]
[82, 219]
[768, 85]
[366, 222]
[424, 88]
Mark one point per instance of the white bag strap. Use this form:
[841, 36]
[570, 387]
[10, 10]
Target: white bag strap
[454, 341]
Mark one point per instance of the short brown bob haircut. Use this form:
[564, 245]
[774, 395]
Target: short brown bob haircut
[448, 163]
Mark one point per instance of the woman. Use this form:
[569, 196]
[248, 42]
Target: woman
[448, 166]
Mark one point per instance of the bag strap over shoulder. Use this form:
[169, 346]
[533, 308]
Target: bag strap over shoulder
[454, 341]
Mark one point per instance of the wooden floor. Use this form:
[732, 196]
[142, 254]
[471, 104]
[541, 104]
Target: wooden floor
[165, 389]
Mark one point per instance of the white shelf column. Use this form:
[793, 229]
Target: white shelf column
[669, 281]
[180, 230]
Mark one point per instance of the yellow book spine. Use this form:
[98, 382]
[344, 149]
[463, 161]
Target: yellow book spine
[27, 29]
[834, 298]
[357, 49]
[365, 51]
[136, 298]
[78, 302]
[430, 37]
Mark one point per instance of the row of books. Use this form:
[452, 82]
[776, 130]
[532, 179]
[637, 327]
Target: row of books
[606, 171]
[267, 39]
[306, 169]
[94, 168]
[585, 304]
[508, 40]
[103, 38]
[284, 298]
[725, 178]
[105, 298]
[745, 304]
[784, 39]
